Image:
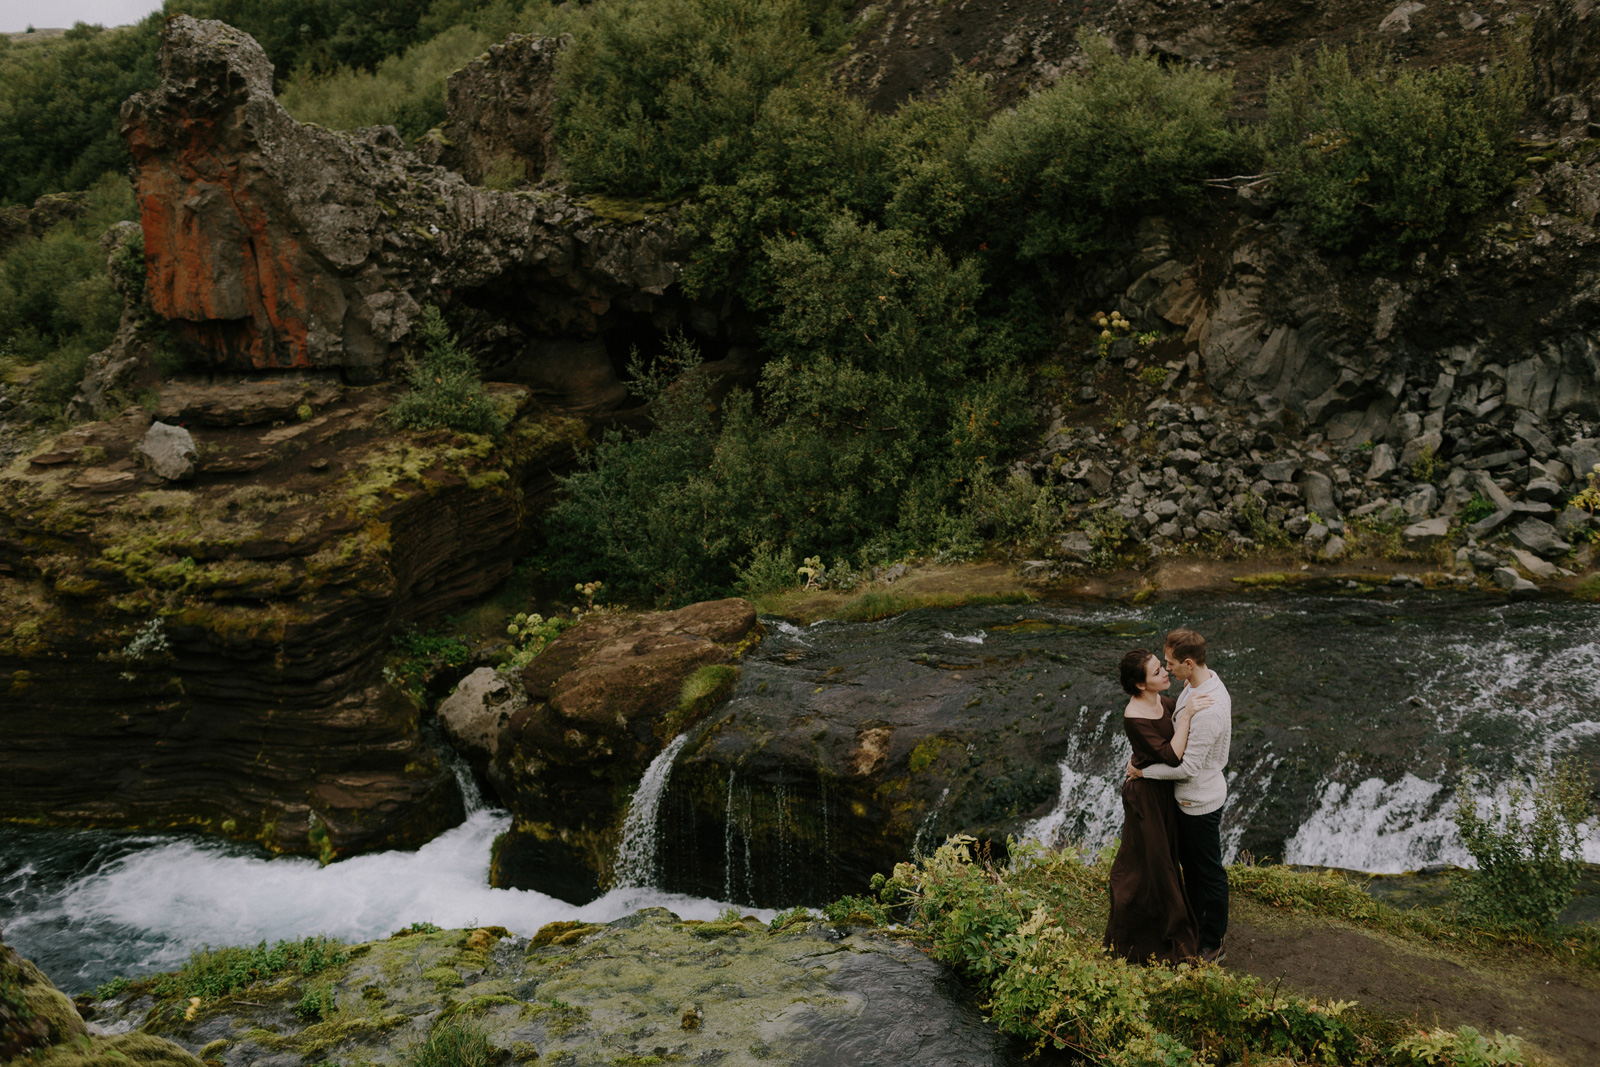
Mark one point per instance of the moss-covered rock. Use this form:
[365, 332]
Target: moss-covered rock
[39, 1025]
[607, 696]
[645, 989]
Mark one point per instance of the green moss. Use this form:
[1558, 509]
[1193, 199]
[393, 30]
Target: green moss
[1588, 589]
[625, 211]
[124, 1050]
[928, 752]
[444, 978]
[563, 933]
[701, 691]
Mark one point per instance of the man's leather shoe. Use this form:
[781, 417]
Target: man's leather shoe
[1213, 955]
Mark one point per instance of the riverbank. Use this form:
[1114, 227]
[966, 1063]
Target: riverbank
[931, 584]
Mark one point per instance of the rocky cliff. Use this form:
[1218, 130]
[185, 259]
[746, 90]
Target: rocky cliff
[273, 244]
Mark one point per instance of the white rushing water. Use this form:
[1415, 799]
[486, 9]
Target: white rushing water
[636, 856]
[190, 894]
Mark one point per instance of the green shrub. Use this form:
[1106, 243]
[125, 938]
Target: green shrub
[57, 302]
[1071, 162]
[1381, 159]
[1528, 850]
[1028, 936]
[405, 91]
[657, 97]
[318, 1001]
[446, 392]
[213, 973]
[453, 1042]
[1478, 508]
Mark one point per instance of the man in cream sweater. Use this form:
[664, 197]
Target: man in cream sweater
[1200, 787]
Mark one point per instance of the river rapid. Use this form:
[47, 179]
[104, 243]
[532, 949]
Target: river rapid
[1353, 718]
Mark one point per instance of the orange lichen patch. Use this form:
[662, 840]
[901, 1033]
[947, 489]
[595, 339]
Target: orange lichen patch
[240, 286]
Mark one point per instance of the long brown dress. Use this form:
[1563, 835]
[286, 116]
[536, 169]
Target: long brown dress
[1150, 911]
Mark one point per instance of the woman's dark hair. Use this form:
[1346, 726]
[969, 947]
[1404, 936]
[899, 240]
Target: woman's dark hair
[1133, 670]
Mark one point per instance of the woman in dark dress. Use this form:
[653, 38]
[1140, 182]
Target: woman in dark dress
[1150, 912]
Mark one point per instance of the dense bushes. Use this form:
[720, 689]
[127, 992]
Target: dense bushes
[60, 98]
[1128, 136]
[57, 303]
[1382, 160]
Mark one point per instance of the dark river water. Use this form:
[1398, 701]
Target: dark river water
[1353, 718]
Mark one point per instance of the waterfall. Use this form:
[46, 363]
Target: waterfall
[472, 800]
[1088, 810]
[636, 856]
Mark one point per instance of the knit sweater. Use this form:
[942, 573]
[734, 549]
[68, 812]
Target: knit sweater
[1198, 782]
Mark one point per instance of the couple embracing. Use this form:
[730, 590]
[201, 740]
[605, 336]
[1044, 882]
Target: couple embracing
[1169, 890]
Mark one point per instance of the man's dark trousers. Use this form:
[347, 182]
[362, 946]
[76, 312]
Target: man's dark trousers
[1200, 851]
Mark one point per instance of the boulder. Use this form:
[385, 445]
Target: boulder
[1318, 489]
[1540, 538]
[168, 452]
[1542, 490]
[604, 699]
[40, 1025]
[1429, 443]
[1078, 548]
[1533, 564]
[474, 715]
[1383, 463]
[1427, 532]
[1515, 584]
[1332, 549]
[500, 113]
[1421, 503]
[1573, 523]
[1398, 20]
[646, 988]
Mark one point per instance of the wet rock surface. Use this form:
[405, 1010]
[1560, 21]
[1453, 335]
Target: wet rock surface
[606, 698]
[647, 988]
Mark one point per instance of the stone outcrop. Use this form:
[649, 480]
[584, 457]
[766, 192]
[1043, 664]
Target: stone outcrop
[648, 988]
[1565, 50]
[272, 244]
[475, 714]
[605, 698]
[39, 1025]
[17, 223]
[501, 108]
[211, 653]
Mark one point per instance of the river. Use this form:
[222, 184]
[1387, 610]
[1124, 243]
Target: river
[1353, 718]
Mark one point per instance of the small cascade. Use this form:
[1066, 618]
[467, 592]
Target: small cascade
[1088, 810]
[738, 878]
[927, 838]
[636, 856]
[472, 799]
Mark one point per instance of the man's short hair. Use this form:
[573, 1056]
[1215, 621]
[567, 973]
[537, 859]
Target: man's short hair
[1186, 644]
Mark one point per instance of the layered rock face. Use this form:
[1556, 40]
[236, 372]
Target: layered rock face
[606, 698]
[209, 651]
[278, 245]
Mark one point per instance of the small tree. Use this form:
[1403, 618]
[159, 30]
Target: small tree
[446, 392]
[1528, 850]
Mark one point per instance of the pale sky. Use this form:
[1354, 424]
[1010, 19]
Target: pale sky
[17, 15]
